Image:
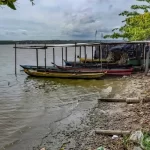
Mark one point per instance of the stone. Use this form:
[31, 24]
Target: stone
[137, 137]
[137, 148]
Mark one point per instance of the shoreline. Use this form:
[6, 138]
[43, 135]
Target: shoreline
[76, 131]
[112, 116]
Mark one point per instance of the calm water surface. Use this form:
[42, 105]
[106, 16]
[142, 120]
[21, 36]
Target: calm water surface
[23, 99]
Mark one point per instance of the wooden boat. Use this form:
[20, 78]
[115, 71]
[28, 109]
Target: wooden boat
[95, 69]
[67, 75]
[119, 73]
[109, 72]
[91, 65]
[39, 67]
[88, 60]
[134, 62]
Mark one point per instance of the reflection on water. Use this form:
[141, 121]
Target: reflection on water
[23, 99]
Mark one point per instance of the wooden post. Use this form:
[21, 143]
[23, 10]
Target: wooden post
[147, 61]
[45, 57]
[66, 54]
[144, 59]
[107, 50]
[99, 53]
[92, 53]
[15, 59]
[80, 53]
[37, 59]
[75, 54]
[62, 57]
[54, 56]
[85, 53]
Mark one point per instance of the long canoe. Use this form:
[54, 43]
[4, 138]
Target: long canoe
[39, 67]
[70, 75]
[95, 69]
[109, 73]
[92, 65]
[120, 74]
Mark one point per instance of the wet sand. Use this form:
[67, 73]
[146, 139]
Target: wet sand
[78, 133]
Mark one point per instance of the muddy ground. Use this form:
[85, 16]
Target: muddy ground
[114, 116]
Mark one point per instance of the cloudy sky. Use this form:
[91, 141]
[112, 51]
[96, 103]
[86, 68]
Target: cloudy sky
[61, 19]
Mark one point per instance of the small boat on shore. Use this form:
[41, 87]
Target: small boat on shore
[67, 75]
[96, 65]
[95, 69]
[39, 67]
[109, 73]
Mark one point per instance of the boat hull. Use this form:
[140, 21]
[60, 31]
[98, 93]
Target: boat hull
[92, 65]
[66, 75]
[92, 60]
[109, 73]
[39, 67]
[95, 70]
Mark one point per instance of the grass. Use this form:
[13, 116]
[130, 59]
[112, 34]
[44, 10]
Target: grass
[146, 141]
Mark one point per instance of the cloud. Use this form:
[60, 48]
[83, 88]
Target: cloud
[61, 19]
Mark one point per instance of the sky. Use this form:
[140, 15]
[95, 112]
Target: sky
[61, 19]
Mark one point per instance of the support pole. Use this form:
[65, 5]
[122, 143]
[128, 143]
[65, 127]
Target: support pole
[62, 57]
[15, 59]
[85, 53]
[107, 51]
[54, 56]
[144, 58]
[66, 54]
[75, 54]
[80, 53]
[147, 61]
[101, 55]
[37, 59]
[92, 53]
[45, 57]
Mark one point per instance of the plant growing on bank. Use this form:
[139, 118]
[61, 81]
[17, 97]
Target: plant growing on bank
[137, 25]
[11, 3]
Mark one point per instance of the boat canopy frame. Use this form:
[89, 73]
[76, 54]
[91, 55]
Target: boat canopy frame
[80, 45]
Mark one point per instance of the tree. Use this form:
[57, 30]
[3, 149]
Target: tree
[137, 25]
[11, 3]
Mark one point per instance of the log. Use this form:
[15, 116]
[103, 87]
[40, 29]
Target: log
[112, 100]
[112, 132]
[132, 100]
[127, 100]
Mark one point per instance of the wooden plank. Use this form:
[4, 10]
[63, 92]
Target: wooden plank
[112, 132]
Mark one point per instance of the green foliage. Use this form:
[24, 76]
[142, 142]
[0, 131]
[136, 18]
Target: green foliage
[10, 3]
[146, 141]
[137, 26]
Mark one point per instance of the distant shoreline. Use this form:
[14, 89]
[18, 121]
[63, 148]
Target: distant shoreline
[51, 41]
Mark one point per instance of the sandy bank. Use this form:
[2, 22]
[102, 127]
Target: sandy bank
[112, 116]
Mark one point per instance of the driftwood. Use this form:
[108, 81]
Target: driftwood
[112, 132]
[132, 100]
[112, 100]
[127, 100]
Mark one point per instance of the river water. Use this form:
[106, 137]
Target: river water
[25, 101]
